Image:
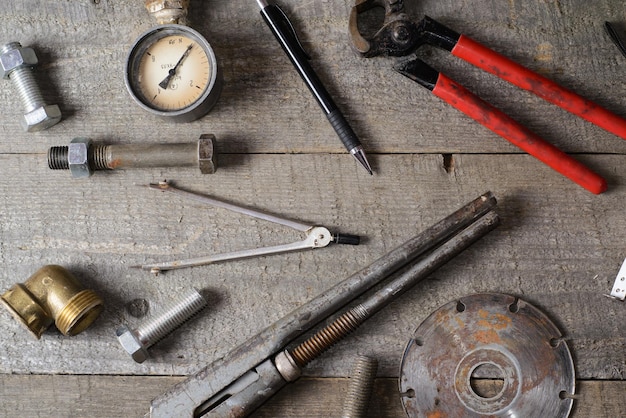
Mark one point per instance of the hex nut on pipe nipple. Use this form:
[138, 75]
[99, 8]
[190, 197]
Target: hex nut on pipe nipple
[52, 294]
[82, 157]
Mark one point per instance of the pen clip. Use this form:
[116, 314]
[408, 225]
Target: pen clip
[290, 28]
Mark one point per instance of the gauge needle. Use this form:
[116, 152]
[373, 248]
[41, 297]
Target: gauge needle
[172, 72]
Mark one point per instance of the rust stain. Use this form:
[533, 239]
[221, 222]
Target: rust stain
[435, 414]
[494, 321]
[459, 322]
[488, 337]
[115, 163]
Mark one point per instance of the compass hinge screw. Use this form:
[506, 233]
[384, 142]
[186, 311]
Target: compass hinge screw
[17, 64]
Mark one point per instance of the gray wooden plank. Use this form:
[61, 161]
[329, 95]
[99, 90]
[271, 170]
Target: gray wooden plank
[129, 396]
[554, 239]
[558, 247]
[266, 108]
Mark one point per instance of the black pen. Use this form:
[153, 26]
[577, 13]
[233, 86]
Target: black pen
[286, 35]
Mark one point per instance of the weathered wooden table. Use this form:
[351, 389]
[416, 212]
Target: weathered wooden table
[559, 247]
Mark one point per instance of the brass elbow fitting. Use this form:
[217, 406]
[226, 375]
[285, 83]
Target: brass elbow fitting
[52, 294]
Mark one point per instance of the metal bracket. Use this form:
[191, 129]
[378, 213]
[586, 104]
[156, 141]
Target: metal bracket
[619, 287]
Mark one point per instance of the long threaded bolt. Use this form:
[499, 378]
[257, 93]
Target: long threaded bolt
[17, 65]
[82, 157]
[290, 362]
[137, 341]
[360, 387]
[309, 350]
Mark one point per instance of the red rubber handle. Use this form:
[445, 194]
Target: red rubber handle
[497, 121]
[490, 61]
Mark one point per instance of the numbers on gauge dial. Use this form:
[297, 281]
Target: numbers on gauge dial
[173, 73]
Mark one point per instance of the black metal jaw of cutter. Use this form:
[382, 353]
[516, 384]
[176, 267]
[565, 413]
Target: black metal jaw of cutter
[401, 36]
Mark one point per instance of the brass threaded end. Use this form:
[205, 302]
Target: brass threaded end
[329, 336]
[79, 313]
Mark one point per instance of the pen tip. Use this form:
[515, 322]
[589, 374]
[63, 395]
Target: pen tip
[360, 156]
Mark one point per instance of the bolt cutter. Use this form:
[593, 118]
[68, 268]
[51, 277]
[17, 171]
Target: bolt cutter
[401, 36]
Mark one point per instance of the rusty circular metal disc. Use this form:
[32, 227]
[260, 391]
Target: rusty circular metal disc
[487, 338]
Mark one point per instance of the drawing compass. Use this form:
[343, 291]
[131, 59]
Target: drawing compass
[171, 70]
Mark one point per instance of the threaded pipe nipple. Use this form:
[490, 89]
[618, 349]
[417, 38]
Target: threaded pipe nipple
[98, 156]
[57, 158]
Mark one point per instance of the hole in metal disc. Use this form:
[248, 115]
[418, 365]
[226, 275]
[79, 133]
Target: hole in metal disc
[554, 342]
[514, 307]
[460, 306]
[410, 393]
[487, 381]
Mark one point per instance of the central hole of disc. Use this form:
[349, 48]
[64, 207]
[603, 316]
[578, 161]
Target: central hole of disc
[487, 380]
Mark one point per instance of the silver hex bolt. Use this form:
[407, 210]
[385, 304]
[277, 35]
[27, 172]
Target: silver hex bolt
[17, 64]
[82, 157]
[137, 341]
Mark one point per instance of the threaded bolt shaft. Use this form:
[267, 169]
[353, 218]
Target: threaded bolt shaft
[329, 336]
[25, 82]
[170, 319]
[57, 158]
[98, 154]
[360, 387]
[27, 89]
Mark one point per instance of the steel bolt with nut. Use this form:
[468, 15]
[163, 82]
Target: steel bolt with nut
[82, 157]
[137, 341]
[17, 64]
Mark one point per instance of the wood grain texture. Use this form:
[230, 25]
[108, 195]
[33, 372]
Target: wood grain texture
[128, 396]
[265, 107]
[552, 244]
[558, 247]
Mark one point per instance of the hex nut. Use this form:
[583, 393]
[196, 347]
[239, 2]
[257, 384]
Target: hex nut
[17, 58]
[287, 366]
[41, 118]
[206, 154]
[131, 344]
[78, 158]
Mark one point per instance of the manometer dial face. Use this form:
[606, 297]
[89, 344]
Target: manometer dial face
[172, 71]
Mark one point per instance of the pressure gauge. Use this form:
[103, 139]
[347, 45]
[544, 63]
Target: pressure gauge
[172, 72]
